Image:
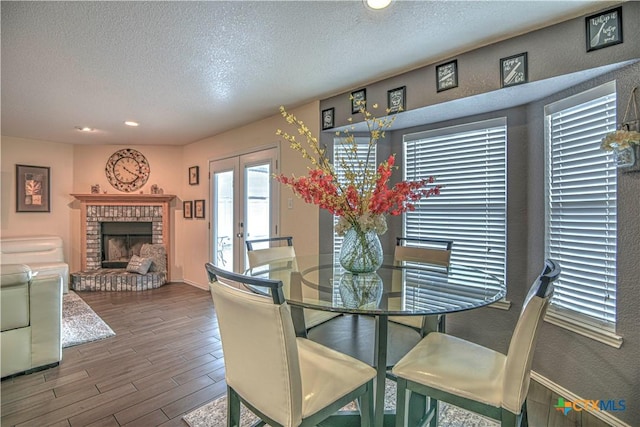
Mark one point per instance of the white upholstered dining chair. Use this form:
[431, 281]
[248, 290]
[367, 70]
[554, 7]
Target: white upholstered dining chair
[436, 252]
[274, 252]
[431, 252]
[285, 380]
[474, 377]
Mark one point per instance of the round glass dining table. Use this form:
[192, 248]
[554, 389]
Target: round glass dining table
[368, 300]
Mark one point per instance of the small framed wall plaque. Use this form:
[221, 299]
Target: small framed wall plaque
[198, 208]
[32, 189]
[447, 75]
[513, 70]
[194, 175]
[358, 100]
[327, 118]
[604, 29]
[187, 209]
[396, 99]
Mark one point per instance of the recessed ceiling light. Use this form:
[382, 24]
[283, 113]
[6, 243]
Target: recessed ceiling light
[131, 123]
[84, 129]
[377, 4]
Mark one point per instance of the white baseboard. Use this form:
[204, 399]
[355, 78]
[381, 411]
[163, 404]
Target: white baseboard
[569, 395]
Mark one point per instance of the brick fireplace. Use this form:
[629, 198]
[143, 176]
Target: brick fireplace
[98, 209]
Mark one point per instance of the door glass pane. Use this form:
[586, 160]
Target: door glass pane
[242, 195]
[257, 202]
[223, 219]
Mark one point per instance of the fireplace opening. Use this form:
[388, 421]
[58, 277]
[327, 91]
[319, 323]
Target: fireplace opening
[122, 240]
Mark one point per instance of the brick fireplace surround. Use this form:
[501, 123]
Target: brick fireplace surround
[99, 208]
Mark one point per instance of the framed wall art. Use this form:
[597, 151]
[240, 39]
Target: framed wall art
[513, 70]
[358, 100]
[396, 99]
[447, 75]
[604, 29]
[33, 188]
[198, 208]
[327, 118]
[187, 209]
[194, 175]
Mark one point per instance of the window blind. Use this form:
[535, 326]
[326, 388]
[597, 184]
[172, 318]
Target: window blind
[581, 218]
[470, 162]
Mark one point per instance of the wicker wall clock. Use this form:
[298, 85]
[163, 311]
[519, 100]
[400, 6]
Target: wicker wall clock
[127, 170]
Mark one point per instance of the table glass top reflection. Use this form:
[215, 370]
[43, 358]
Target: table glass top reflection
[394, 289]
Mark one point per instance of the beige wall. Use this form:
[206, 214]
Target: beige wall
[75, 168]
[58, 157]
[166, 171]
[301, 222]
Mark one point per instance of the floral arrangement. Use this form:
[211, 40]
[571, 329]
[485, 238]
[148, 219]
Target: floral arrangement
[363, 197]
[620, 139]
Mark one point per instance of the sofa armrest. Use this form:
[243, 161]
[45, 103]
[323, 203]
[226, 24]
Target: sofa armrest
[46, 319]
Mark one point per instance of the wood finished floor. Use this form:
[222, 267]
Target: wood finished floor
[165, 360]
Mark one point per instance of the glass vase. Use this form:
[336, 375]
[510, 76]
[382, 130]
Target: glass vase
[363, 291]
[361, 252]
[625, 157]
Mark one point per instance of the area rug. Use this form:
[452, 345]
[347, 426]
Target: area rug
[80, 324]
[214, 414]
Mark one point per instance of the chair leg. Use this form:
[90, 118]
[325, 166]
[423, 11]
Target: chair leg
[417, 409]
[233, 408]
[508, 419]
[401, 402]
[366, 406]
[433, 408]
[524, 422]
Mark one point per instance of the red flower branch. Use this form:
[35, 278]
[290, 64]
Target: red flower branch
[366, 192]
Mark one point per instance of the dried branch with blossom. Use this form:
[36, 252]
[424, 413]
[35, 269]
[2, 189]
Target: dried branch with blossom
[363, 197]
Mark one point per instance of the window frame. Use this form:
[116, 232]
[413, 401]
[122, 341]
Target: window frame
[565, 317]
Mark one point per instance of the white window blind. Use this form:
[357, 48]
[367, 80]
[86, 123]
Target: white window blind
[581, 223]
[470, 162]
[357, 160]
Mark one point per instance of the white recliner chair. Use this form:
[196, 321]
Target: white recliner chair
[30, 320]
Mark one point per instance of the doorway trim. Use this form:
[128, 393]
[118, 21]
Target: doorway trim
[275, 195]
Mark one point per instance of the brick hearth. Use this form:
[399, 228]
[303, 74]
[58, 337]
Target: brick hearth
[116, 279]
[99, 208]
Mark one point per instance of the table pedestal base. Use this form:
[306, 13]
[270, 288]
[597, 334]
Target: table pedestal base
[355, 335]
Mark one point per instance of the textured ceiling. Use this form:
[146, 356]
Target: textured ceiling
[190, 70]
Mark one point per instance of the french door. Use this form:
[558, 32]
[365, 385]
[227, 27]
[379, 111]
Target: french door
[244, 205]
